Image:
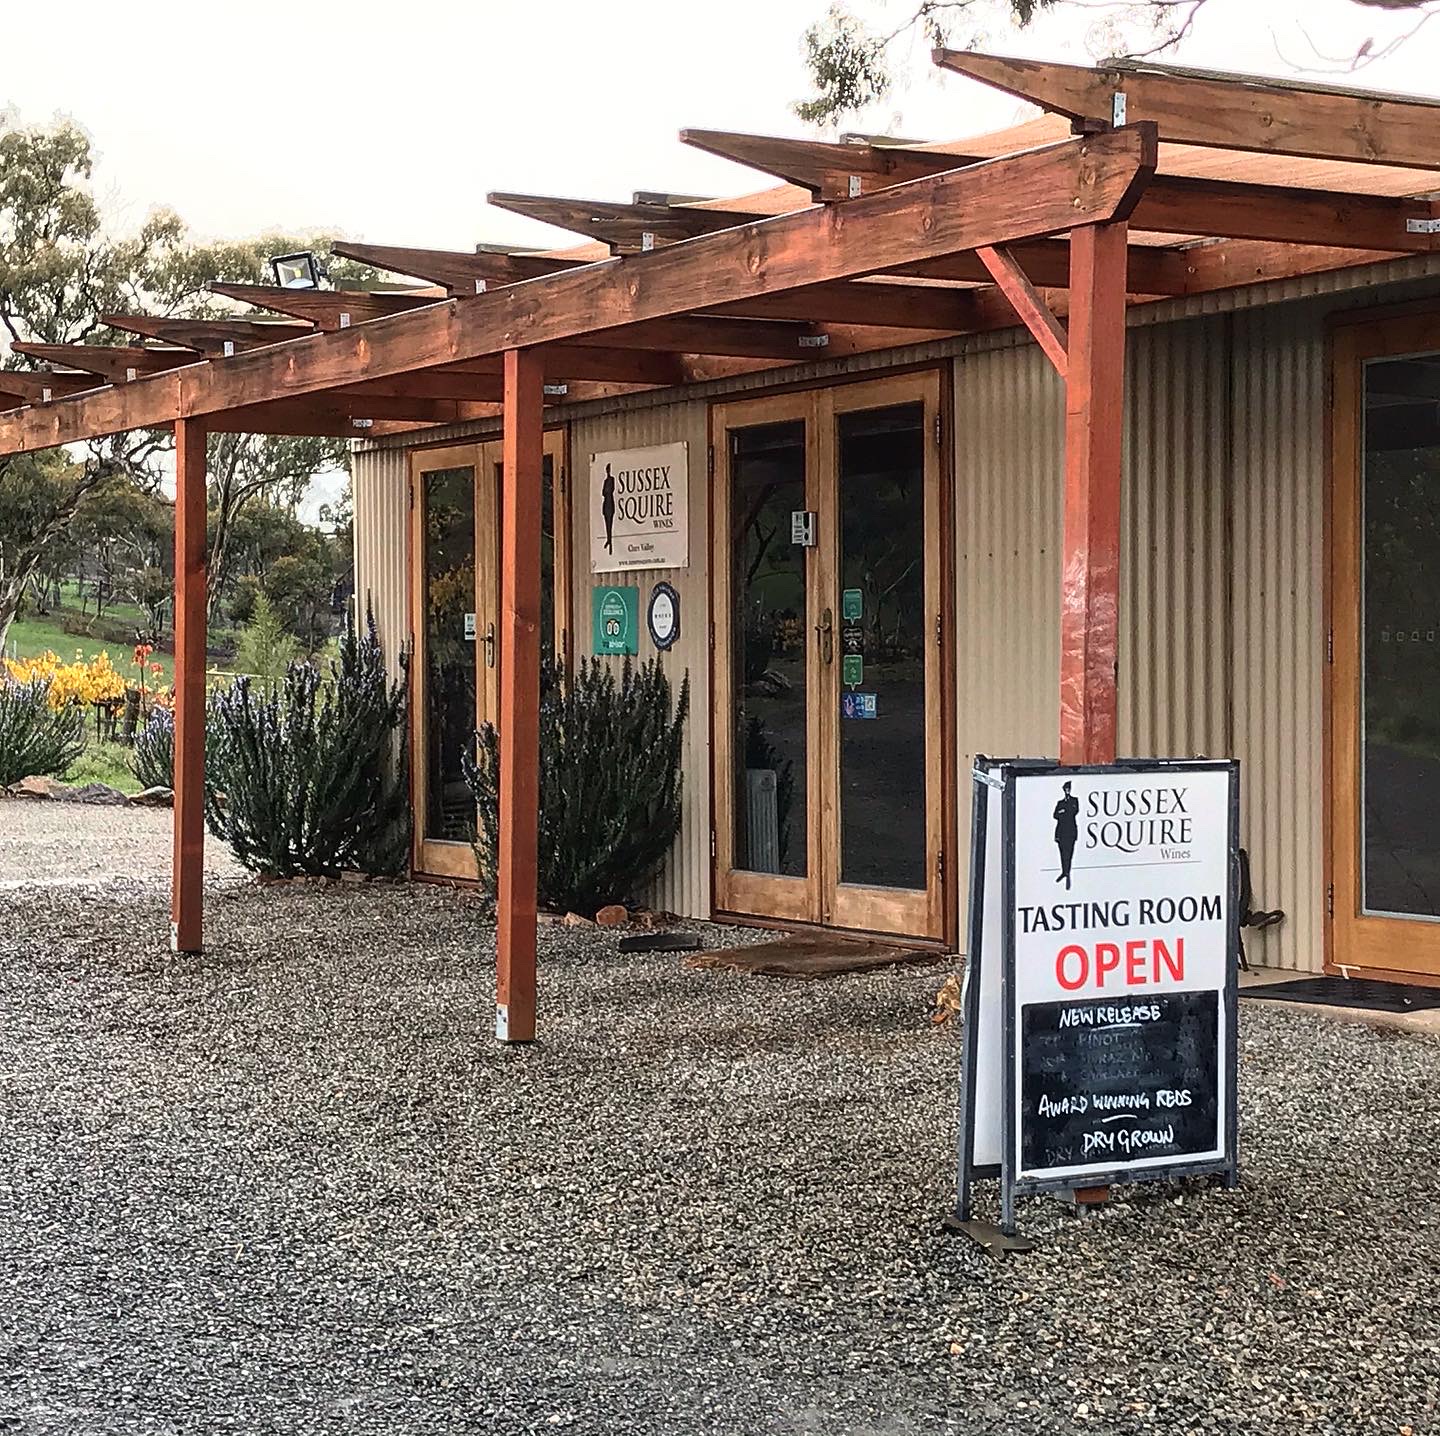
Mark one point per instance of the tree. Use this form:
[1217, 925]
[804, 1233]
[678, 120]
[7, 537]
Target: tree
[851, 64]
[60, 272]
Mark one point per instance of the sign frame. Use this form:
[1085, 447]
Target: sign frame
[998, 779]
[663, 639]
[638, 508]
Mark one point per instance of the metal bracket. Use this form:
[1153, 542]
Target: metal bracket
[344, 320]
[479, 286]
[814, 341]
[991, 780]
[854, 186]
[1422, 226]
[1117, 108]
[229, 349]
[988, 1237]
[363, 423]
[647, 242]
[555, 391]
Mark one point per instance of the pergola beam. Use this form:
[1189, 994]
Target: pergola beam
[626, 228]
[1029, 304]
[208, 336]
[116, 364]
[44, 387]
[1238, 112]
[459, 271]
[1023, 196]
[325, 308]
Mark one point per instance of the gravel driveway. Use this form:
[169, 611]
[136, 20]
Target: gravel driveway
[294, 1186]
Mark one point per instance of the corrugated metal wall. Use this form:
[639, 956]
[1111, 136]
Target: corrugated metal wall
[379, 485]
[684, 885]
[1280, 421]
[1009, 476]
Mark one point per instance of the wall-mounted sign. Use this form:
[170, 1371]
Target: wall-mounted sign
[1100, 998]
[852, 669]
[662, 616]
[803, 527]
[859, 705]
[852, 604]
[469, 627]
[640, 508]
[616, 613]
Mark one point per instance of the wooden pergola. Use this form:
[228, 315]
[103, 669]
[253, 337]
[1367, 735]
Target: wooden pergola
[1140, 183]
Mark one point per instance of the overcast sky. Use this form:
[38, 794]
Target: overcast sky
[390, 122]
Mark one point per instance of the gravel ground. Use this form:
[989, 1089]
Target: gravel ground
[294, 1186]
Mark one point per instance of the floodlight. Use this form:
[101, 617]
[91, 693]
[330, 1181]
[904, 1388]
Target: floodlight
[297, 271]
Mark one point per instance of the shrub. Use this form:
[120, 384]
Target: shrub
[609, 784]
[307, 767]
[152, 759]
[37, 739]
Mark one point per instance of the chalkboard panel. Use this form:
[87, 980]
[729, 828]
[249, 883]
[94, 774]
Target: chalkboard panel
[1119, 1080]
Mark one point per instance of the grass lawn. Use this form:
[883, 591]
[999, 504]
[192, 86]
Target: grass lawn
[33, 635]
[103, 763]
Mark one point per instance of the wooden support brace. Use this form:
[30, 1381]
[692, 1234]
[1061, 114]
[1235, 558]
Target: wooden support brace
[1094, 425]
[520, 527]
[187, 873]
[1027, 302]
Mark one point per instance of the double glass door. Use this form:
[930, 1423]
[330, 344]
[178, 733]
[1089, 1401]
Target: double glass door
[455, 615]
[828, 665]
[1385, 679]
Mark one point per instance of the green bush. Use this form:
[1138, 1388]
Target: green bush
[36, 740]
[266, 649]
[304, 773]
[609, 784]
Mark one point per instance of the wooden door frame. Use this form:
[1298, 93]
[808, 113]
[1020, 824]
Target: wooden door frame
[432, 857]
[789, 899]
[820, 899]
[1357, 943]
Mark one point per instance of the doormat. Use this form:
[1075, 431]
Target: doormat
[809, 955]
[1361, 992]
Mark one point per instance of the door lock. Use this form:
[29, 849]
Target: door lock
[825, 635]
[489, 641]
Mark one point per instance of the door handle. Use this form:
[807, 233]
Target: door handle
[825, 635]
[489, 645]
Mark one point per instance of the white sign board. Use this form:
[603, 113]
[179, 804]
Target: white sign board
[640, 508]
[1100, 1003]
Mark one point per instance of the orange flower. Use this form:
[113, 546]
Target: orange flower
[157, 668]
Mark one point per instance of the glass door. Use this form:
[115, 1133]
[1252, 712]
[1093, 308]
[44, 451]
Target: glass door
[454, 571]
[1385, 694]
[828, 668]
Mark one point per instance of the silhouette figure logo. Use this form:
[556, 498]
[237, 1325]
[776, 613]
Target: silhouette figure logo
[1067, 830]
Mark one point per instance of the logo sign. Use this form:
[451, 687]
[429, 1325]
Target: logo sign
[802, 527]
[662, 616]
[640, 508]
[616, 620]
[852, 604]
[469, 626]
[1100, 998]
[852, 667]
[858, 705]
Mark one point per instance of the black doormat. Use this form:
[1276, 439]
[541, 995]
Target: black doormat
[1349, 992]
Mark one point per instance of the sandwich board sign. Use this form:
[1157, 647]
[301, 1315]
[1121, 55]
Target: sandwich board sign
[1100, 995]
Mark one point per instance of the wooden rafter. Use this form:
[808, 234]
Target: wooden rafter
[901, 306]
[44, 387]
[1020, 197]
[209, 336]
[626, 228]
[324, 308]
[117, 364]
[1238, 112]
[458, 271]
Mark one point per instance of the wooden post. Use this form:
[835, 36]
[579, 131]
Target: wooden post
[188, 864]
[1094, 433]
[519, 724]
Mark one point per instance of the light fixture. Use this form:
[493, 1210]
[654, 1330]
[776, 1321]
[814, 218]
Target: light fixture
[297, 271]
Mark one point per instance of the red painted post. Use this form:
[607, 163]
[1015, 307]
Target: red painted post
[188, 863]
[519, 718]
[1094, 436]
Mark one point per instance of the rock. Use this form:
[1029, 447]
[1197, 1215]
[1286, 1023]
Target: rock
[41, 788]
[154, 798]
[98, 793]
[573, 919]
[615, 915]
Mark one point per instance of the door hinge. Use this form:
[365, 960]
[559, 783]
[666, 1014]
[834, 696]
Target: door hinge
[712, 842]
[712, 635]
[710, 461]
[939, 431]
[940, 865]
[1330, 645]
[410, 485]
[1330, 900]
[940, 630]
